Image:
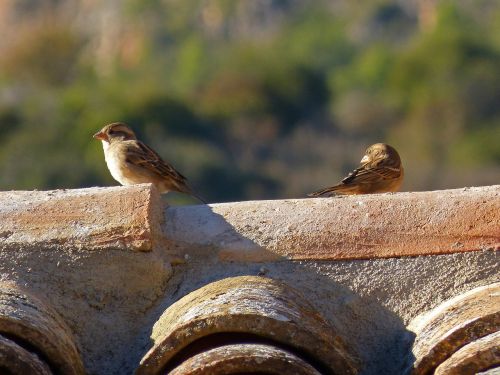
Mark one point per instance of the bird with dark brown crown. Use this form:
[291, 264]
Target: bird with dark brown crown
[131, 162]
[380, 171]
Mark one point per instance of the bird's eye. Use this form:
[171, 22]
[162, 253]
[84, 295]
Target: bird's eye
[112, 132]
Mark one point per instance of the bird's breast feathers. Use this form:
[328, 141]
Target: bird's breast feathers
[115, 157]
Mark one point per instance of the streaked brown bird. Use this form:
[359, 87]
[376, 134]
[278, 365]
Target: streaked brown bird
[131, 162]
[380, 171]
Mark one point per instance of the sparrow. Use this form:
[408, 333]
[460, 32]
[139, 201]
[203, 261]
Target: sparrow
[131, 162]
[380, 171]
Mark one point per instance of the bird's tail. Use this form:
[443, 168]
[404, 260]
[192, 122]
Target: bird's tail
[198, 197]
[334, 190]
[186, 189]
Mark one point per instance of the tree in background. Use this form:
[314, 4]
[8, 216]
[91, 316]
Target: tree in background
[251, 100]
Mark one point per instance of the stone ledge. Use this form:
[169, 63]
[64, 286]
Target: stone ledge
[110, 297]
[126, 218]
[355, 227]
[351, 227]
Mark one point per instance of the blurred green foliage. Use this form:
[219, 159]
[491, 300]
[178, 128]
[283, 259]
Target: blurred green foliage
[253, 100]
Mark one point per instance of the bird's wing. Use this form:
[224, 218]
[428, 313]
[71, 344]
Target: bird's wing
[144, 156]
[372, 173]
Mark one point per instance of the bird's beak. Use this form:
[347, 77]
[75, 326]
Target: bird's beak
[101, 136]
[365, 159]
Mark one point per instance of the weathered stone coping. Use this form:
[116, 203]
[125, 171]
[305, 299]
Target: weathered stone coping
[90, 219]
[356, 227]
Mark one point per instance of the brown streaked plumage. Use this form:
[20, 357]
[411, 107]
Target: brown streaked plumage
[380, 171]
[131, 162]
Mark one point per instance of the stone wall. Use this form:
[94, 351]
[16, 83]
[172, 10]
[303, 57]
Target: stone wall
[125, 278]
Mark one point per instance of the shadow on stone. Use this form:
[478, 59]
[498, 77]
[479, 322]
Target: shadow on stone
[377, 335]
